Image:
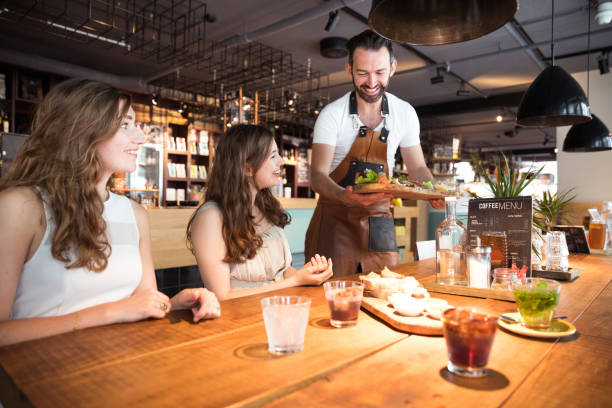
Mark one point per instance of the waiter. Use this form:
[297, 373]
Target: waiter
[361, 130]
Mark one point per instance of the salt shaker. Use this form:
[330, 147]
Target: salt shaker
[479, 266]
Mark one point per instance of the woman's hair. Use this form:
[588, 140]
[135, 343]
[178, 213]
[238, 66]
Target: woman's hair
[242, 147]
[60, 157]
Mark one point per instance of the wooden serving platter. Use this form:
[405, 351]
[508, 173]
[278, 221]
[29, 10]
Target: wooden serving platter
[400, 190]
[468, 291]
[418, 325]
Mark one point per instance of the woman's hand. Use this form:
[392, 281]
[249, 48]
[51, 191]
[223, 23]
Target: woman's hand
[202, 302]
[315, 272]
[141, 305]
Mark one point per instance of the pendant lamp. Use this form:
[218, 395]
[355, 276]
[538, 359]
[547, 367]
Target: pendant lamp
[592, 136]
[425, 22]
[554, 98]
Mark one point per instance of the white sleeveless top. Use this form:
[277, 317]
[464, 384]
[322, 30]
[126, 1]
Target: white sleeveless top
[269, 263]
[47, 288]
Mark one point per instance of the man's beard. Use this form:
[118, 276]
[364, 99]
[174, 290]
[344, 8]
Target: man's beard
[367, 97]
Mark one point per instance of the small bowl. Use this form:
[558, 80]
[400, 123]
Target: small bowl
[407, 305]
[435, 310]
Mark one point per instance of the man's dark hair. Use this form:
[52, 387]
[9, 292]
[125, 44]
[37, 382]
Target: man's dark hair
[368, 40]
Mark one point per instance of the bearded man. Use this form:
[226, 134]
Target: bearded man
[361, 130]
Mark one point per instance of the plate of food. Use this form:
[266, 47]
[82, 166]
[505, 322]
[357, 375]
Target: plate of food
[402, 302]
[372, 182]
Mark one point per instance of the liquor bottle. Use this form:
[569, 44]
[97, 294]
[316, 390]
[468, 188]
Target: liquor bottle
[451, 245]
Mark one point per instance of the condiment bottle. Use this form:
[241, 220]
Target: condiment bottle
[479, 266]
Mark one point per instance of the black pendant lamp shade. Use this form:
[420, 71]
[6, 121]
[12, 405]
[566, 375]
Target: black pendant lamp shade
[334, 47]
[554, 98]
[592, 136]
[428, 22]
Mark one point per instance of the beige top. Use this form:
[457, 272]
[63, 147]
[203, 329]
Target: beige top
[267, 266]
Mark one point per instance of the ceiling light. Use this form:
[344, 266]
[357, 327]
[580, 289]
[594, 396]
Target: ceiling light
[332, 21]
[439, 22]
[438, 78]
[592, 136]
[499, 117]
[333, 47]
[462, 91]
[210, 18]
[554, 98]
[604, 63]
[604, 13]
[155, 99]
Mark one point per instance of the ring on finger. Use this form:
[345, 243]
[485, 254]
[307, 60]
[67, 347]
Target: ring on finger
[163, 306]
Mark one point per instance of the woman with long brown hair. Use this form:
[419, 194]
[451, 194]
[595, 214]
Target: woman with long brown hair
[75, 255]
[236, 235]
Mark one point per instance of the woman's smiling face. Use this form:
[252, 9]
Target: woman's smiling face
[270, 171]
[120, 153]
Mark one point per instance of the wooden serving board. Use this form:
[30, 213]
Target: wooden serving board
[468, 291]
[399, 190]
[569, 275]
[418, 325]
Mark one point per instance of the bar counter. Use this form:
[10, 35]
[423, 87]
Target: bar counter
[224, 362]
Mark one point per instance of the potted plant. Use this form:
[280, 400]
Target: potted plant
[550, 209]
[507, 182]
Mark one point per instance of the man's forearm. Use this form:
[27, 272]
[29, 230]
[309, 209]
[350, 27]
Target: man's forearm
[326, 187]
[421, 174]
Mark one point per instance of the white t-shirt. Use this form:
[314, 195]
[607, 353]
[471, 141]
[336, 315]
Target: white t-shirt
[336, 127]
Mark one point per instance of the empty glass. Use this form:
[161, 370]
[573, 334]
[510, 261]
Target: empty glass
[557, 253]
[504, 278]
[286, 318]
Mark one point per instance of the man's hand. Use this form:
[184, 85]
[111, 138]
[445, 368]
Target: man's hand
[362, 200]
[437, 203]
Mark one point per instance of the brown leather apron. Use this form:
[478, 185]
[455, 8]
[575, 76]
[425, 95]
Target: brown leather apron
[353, 235]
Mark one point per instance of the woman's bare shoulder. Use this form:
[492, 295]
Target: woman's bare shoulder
[208, 218]
[19, 201]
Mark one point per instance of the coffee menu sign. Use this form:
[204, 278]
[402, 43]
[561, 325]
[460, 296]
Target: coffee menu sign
[492, 217]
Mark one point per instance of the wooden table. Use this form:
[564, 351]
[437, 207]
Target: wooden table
[224, 362]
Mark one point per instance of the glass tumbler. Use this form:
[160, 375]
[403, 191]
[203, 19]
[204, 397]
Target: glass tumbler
[469, 336]
[285, 318]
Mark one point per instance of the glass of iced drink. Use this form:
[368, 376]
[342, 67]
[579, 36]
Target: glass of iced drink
[536, 300]
[344, 300]
[286, 318]
[469, 336]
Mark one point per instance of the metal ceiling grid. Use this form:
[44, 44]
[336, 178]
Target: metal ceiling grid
[157, 30]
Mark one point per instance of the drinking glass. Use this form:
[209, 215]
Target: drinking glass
[536, 300]
[469, 336]
[286, 318]
[557, 252]
[498, 241]
[344, 300]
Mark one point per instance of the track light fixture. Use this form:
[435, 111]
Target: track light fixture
[604, 63]
[438, 78]
[155, 99]
[332, 21]
[462, 91]
[291, 99]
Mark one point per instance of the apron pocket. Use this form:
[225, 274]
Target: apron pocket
[382, 235]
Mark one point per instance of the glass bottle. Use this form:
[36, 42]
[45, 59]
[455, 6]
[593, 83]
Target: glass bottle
[451, 244]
